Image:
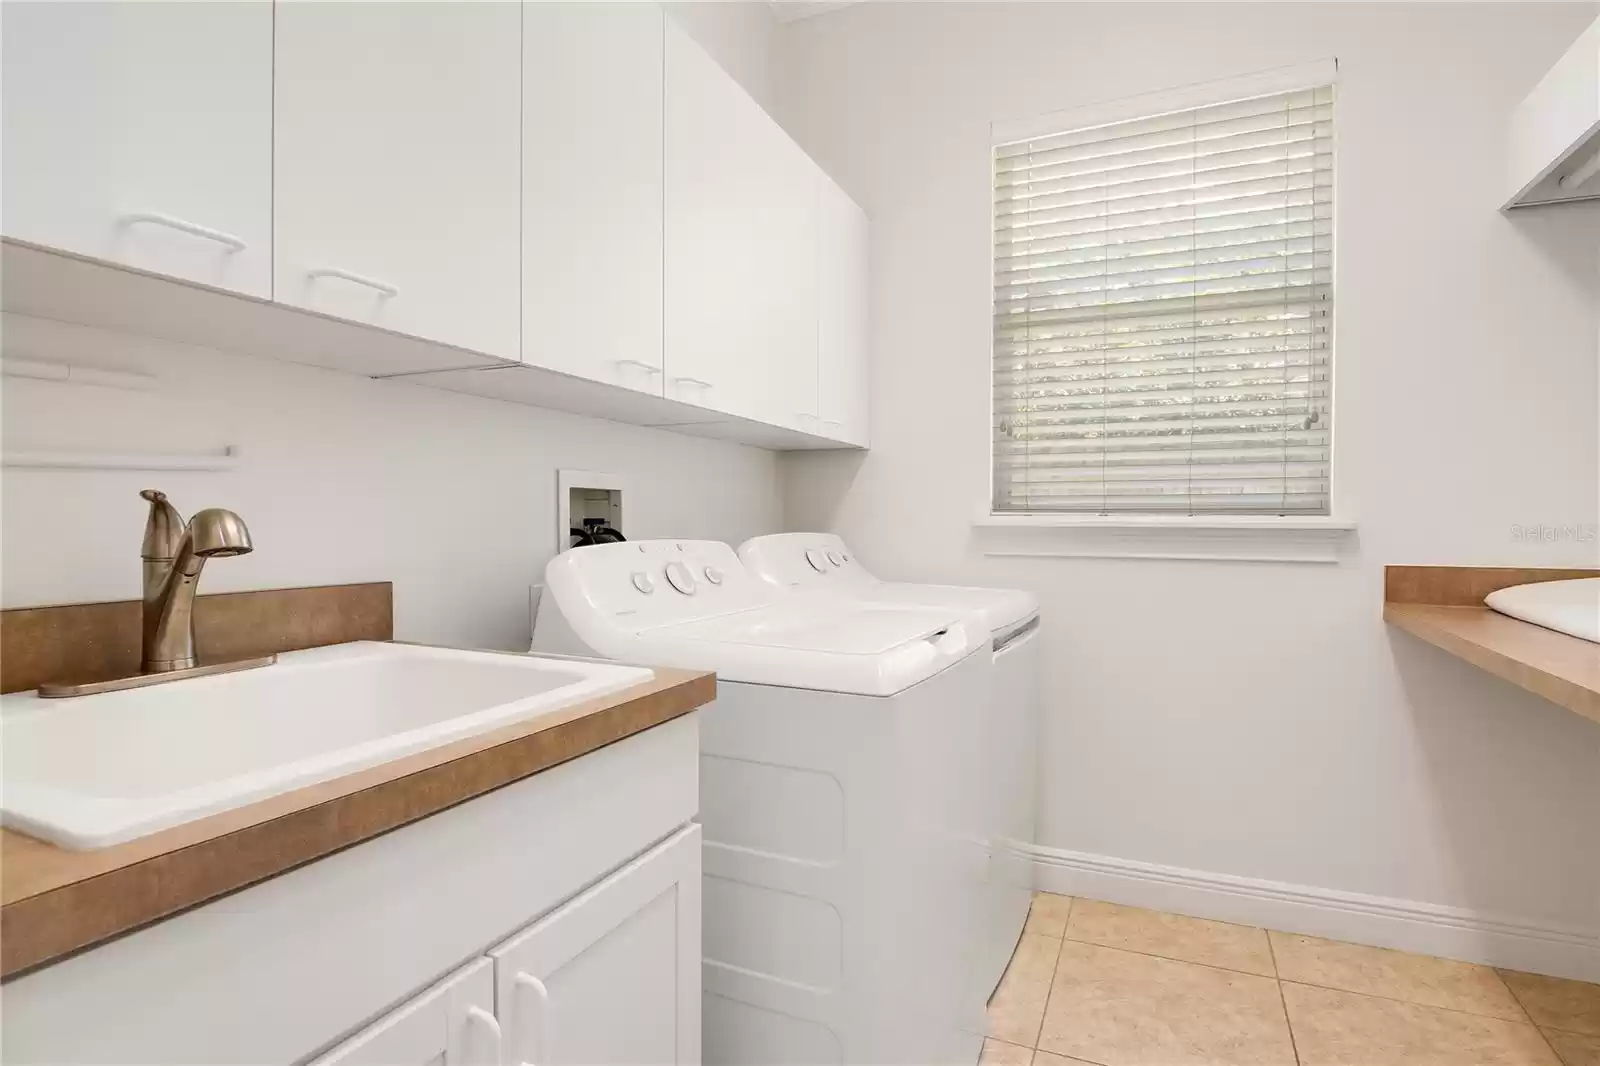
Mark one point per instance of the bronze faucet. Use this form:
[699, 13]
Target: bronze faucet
[174, 554]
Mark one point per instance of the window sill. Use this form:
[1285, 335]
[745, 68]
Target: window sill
[1219, 538]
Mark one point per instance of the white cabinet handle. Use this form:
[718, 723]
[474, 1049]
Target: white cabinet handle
[648, 368]
[830, 421]
[807, 415]
[383, 288]
[535, 1011]
[491, 1025]
[694, 381]
[234, 244]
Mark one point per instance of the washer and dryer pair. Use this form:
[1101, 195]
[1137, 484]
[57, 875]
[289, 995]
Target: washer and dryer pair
[866, 784]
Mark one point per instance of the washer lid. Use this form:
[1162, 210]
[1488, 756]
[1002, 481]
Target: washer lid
[829, 629]
[744, 628]
[999, 609]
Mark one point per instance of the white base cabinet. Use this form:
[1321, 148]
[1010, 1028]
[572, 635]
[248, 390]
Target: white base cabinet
[614, 976]
[451, 1024]
[611, 978]
[587, 876]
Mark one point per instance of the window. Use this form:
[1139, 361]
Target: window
[1163, 313]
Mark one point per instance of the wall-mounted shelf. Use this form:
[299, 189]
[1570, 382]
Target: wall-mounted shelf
[1443, 605]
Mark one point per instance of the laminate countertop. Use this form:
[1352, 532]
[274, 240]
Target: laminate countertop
[1443, 605]
[54, 902]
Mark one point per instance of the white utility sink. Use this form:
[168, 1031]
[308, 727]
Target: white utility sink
[1571, 607]
[97, 770]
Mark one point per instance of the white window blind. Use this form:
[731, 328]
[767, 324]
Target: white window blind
[1163, 313]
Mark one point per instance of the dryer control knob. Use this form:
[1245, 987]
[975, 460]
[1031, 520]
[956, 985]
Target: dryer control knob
[815, 557]
[833, 557]
[713, 575]
[642, 582]
[680, 578]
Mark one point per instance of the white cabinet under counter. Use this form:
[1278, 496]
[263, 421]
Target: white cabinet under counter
[141, 134]
[588, 873]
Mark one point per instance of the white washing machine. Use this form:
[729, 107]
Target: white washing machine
[843, 907]
[821, 565]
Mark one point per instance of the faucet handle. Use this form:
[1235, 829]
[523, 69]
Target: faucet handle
[163, 529]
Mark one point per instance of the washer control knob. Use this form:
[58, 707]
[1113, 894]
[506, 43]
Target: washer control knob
[713, 575]
[833, 557]
[642, 582]
[815, 557]
[680, 578]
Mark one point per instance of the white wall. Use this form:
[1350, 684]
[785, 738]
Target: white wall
[343, 479]
[1256, 720]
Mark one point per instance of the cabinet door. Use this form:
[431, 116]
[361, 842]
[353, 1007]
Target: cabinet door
[740, 245]
[613, 976]
[451, 1024]
[842, 341]
[141, 133]
[591, 191]
[396, 164]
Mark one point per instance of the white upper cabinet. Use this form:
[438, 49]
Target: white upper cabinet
[397, 178]
[842, 338]
[740, 246]
[591, 190]
[141, 133]
[1554, 149]
[450, 1024]
[613, 976]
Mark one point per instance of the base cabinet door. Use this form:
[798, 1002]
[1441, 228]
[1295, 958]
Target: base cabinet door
[141, 133]
[451, 1024]
[614, 975]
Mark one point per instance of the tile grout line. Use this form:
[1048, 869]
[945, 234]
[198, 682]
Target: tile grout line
[1526, 1013]
[1055, 963]
[1277, 977]
[1413, 1003]
[1171, 958]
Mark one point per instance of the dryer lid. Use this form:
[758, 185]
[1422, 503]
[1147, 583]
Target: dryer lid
[823, 563]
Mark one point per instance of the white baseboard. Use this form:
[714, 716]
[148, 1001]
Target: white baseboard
[1424, 928]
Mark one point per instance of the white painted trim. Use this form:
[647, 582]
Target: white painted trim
[1165, 101]
[1158, 521]
[1263, 539]
[1424, 928]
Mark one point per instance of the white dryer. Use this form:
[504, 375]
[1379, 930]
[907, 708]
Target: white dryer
[843, 906]
[821, 565]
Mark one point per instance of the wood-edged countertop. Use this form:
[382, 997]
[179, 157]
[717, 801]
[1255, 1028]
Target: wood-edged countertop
[1444, 606]
[54, 902]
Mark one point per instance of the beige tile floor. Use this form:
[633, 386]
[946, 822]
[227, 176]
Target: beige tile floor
[1101, 984]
